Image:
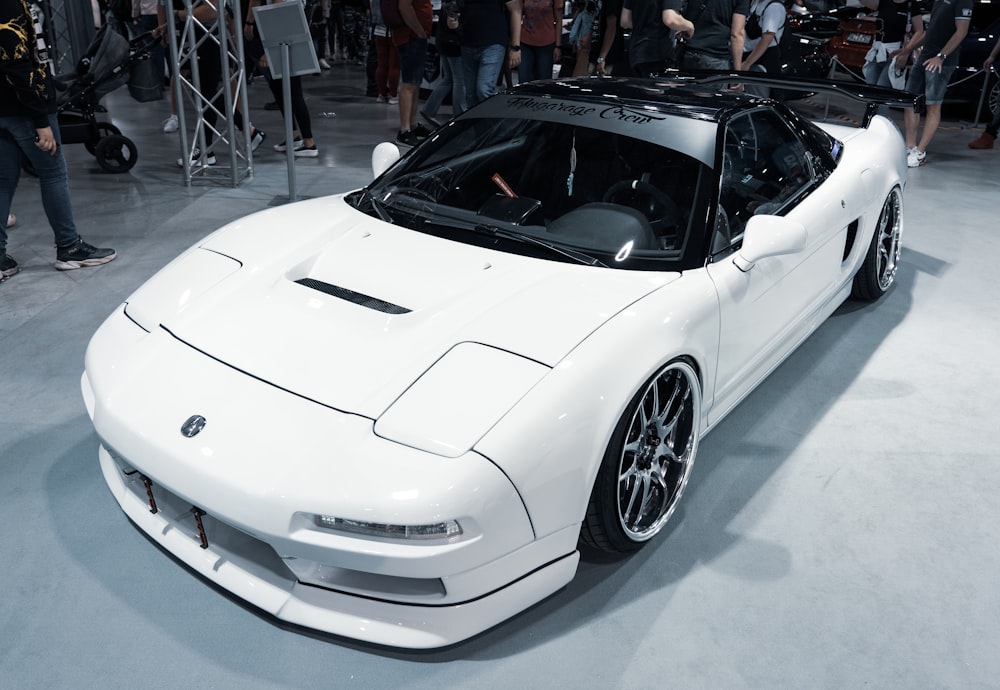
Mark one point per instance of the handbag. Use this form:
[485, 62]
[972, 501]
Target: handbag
[145, 81]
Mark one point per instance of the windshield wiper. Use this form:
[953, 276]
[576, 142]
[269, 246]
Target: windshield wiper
[366, 195]
[525, 238]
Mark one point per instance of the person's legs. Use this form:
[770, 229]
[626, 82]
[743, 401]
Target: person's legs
[10, 173]
[458, 100]
[53, 182]
[915, 84]
[526, 70]
[441, 89]
[491, 59]
[412, 55]
[937, 84]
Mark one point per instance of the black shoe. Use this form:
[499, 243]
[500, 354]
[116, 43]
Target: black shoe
[81, 254]
[273, 105]
[196, 159]
[407, 138]
[257, 138]
[8, 267]
[421, 132]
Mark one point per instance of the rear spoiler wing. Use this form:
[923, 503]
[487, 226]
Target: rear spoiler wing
[872, 96]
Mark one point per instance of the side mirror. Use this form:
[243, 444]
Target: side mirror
[384, 155]
[766, 236]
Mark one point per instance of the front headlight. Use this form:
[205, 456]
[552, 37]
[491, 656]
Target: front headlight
[177, 285]
[461, 397]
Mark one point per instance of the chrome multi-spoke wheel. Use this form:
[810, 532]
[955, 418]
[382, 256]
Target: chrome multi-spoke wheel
[647, 463]
[879, 267]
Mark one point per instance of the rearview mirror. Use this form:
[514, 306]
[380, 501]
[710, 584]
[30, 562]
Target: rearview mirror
[384, 155]
[766, 236]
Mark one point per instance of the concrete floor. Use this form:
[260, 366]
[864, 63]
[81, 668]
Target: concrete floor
[839, 530]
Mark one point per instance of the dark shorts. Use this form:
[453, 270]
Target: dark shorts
[412, 56]
[931, 84]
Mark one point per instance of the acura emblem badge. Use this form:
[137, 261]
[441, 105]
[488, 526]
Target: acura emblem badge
[193, 426]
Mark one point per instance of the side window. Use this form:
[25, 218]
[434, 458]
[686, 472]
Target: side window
[764, 166]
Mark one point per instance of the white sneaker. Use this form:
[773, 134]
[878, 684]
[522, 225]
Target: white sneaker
[393, 100]
[171, 124]
[915, 157]
[11, 220]
[323, 64]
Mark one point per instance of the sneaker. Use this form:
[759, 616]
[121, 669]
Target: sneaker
[197, 161]
[171, 124]
[421, 131]
[283, 146]
[323, 64]
[306, 151]
[915, 158]
[431, 120]
[393, 100]
[273, 105]
[8, 267]
[11, 220]
[256, 139]
[382, 99]
[81, 254]
[407, 138]
[985, 141]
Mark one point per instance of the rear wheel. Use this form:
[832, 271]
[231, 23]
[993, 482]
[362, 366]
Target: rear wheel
[116, 153]
[647, 463]
[879, 267]
[103, 130]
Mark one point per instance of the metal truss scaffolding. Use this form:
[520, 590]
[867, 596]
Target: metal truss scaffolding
[188, 39]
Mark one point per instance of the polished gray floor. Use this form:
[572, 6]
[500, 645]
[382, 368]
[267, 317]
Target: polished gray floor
[840, 529]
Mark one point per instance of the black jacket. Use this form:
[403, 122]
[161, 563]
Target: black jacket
[25, 86]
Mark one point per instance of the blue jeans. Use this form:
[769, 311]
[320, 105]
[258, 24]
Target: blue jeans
[451, 80]
[536, 62]
[17, 137]
[481, 67]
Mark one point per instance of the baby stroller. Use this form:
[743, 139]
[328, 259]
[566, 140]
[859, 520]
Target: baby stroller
[110, 62]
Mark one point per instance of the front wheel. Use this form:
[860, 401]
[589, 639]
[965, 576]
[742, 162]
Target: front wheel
[647, 463]
[882, 258]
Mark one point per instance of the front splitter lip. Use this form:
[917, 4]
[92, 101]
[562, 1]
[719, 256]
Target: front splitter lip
[411, 626]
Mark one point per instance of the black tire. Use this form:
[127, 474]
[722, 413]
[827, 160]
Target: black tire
[649, 457]
[103, 129]
[116, 153]
[878, 270]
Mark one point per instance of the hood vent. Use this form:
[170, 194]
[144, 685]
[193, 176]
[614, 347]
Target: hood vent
[351, 296]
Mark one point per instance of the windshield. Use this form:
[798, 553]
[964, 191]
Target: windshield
[556, 190]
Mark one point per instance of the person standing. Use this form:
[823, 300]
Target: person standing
[450, 52]
[491, 30]
[989, 135]
[718, 38]
[607, 41]
[886, 56]
[411, 43]
[651, 48]
[764, 27]
[948, 26]
[29, 127]
[541, 30]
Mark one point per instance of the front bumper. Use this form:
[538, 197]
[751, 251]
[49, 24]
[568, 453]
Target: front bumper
[267, 459]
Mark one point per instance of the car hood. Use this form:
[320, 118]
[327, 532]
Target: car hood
[349, 311]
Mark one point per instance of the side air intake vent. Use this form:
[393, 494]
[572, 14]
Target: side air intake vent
[351, 296]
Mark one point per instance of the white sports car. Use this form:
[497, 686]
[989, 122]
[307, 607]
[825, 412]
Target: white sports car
[401, 418]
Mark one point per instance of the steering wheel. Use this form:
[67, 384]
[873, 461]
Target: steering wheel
[660, 210]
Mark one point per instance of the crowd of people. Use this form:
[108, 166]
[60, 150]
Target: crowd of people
[480, 43]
